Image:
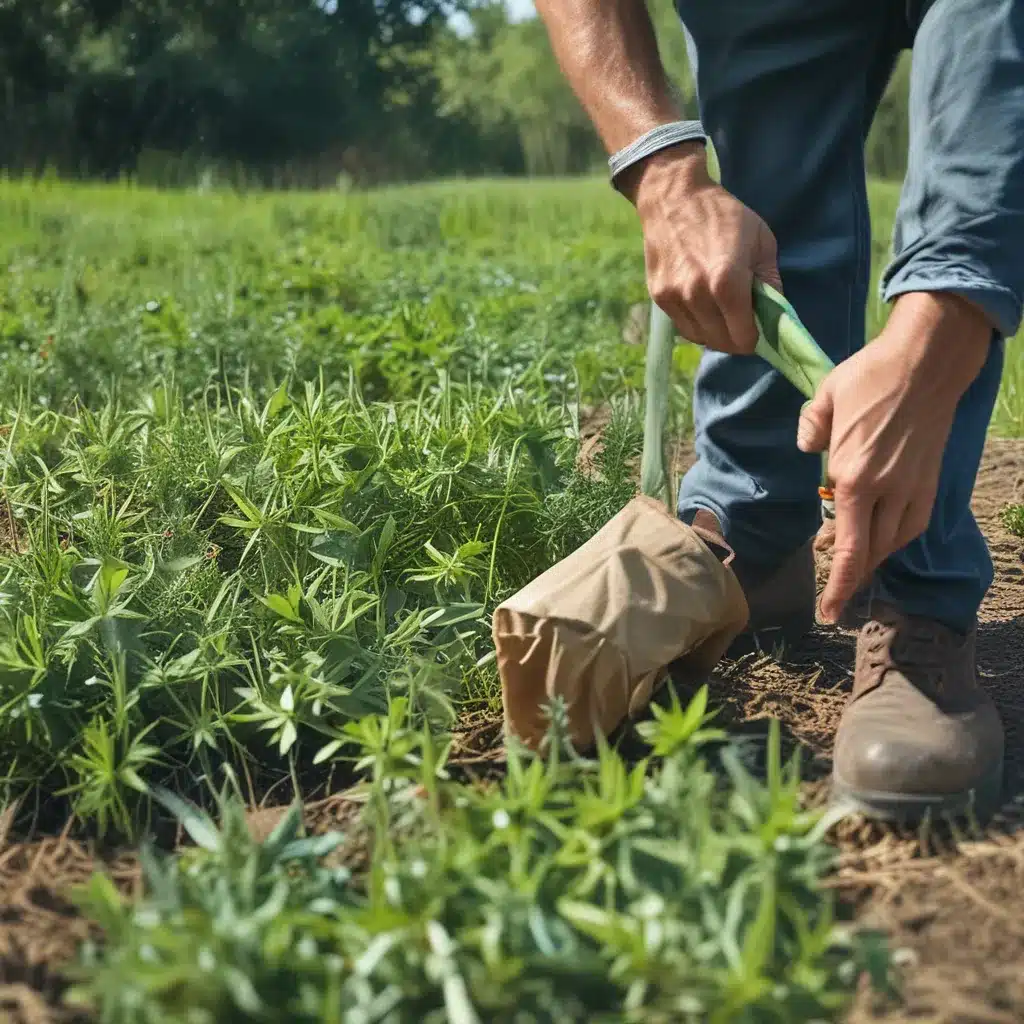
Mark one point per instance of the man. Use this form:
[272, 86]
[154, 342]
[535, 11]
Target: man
[787, 91]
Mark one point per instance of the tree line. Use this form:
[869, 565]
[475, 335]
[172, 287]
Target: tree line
[309, 92]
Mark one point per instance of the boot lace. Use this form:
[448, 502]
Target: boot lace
[919, 650]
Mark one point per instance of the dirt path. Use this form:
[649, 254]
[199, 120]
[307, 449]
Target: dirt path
[954, 909]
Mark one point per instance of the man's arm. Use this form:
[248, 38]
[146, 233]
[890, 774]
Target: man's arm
[609, 55]
[702, 246]
[960, 222]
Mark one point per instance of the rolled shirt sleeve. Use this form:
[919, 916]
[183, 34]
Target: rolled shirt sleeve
[960, 221]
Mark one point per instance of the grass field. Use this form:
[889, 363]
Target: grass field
[269, 462]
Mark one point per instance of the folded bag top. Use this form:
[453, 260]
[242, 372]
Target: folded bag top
[599, 628]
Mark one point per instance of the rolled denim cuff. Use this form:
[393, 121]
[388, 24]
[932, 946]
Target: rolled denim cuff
[657, 139]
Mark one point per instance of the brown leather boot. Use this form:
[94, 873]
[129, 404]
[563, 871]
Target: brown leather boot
[781, 597]
[919, 733]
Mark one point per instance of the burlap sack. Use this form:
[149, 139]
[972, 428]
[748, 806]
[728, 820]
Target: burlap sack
[600, 627]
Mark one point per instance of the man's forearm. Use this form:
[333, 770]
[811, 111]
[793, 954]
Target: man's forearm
[609, 55]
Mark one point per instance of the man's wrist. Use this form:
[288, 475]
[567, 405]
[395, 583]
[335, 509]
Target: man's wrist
[942, 333]
[684, 164]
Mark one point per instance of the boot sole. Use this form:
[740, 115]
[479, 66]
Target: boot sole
[981, 801]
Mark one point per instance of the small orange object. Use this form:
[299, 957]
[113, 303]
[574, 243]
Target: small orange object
[828, 502]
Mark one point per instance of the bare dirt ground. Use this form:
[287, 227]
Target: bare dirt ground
[952, 905]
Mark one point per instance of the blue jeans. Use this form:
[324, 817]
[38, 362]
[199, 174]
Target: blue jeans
[787, 91]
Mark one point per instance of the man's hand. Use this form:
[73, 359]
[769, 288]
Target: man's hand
[703, 249]
[885, 415]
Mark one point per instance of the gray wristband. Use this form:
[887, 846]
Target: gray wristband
[657, 139]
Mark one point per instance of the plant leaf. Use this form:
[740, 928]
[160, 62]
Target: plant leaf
[196, 822]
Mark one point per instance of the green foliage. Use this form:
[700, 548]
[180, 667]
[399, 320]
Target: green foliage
[312, 92]
[494, 284]
[575, 890]
[526, 98]
[1013, 519]
[266, 467]
[312, 555]
[95, 87]
[265, 463]
[275, 464]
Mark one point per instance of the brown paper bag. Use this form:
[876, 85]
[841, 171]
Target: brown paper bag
[600, 627]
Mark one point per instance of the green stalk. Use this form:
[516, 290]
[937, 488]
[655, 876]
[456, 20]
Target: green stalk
[783, 342]
[786, 344]
[655, 480]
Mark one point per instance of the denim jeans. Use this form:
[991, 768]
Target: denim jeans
[787, 91]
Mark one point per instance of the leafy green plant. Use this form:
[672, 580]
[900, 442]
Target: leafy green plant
[334, 552]
[267, 463]
[577, 889]
[1013, 519]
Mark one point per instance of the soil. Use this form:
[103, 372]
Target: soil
[952, 904]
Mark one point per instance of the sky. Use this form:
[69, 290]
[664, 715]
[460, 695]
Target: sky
[517, 8]
[520, 8]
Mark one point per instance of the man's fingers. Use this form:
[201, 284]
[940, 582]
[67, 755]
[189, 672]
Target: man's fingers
[766, 258]
[714, 327]
[814, 430]
[703, 326]
[894, 523]
[734, 295]
[696, 316]
[685, 324]
[886, 523]
[850, 552]
[771, 276]
[914, 522]
[697, 295]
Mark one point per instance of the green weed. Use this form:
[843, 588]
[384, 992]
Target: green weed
[1013, 519]
[267, 464]
[234, 581]
[576, 890]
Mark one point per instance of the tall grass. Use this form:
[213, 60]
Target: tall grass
[130, 282]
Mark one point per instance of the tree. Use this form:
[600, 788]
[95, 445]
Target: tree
[379, 89]
[249, 80]
[505, 82]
